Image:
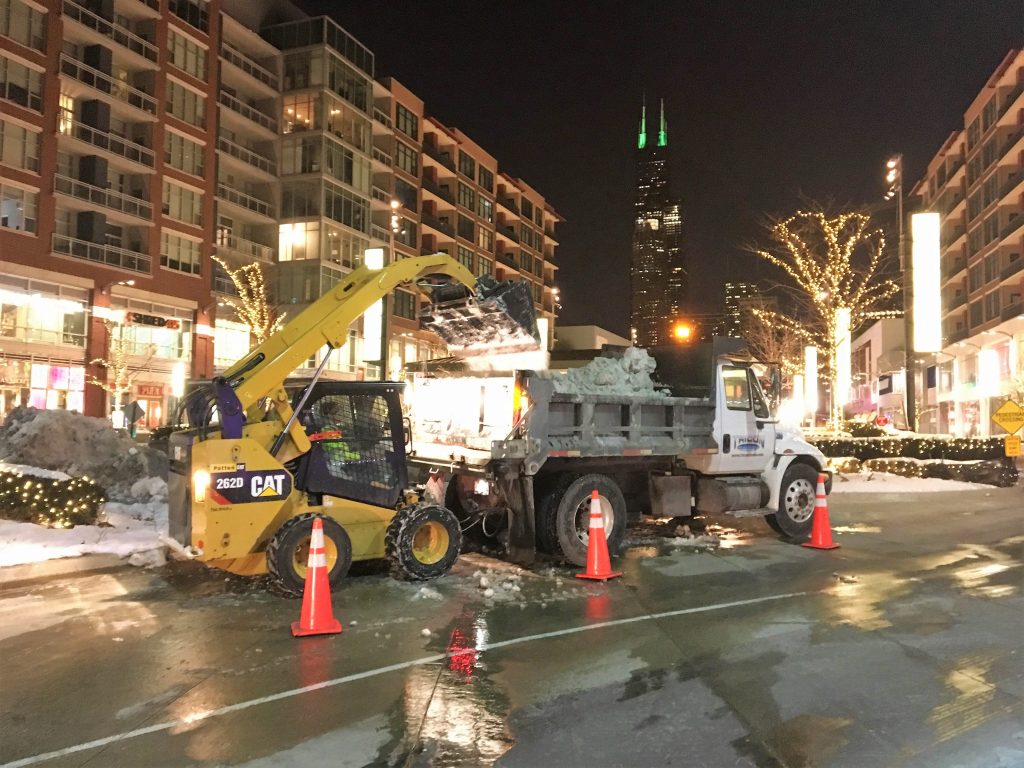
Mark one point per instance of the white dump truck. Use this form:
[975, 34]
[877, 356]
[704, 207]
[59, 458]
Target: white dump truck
[516, 455]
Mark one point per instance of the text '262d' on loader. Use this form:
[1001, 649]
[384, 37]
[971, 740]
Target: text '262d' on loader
[259, 459]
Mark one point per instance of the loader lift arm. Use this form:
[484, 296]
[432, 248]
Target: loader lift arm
[262, 372]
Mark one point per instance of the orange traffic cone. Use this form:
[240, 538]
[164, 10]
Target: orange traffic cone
[598, 565]
[821, 531]
[317, 616]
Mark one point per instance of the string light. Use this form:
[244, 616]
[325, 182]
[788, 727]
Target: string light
[49, 502]
[253, 306]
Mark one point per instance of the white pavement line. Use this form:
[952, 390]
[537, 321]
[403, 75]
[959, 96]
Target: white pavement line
[200, 716]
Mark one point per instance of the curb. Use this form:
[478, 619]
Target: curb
[84, 565]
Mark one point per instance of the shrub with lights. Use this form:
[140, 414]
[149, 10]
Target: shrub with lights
[49, 502]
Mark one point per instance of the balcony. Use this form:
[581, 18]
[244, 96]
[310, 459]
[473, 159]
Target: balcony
[379, 233]
[954, 336]
[120, 35]
[508, 233]
[380, 195]
[254, 204]
[247, 156]
[381, 117]
[1011, 311]
[229, 53]
[382, 157]
[508, 260]
[1012, 226]
[249, 113]
[1011, 97]
[438, 190]
[223, 284]
[107, 198]
[949, 270]
[247, 249]
[948, 240]
[436, 223]
[956, 302]
[510, 204]
[102, 254]
[1012, 269]
[104, 83]
[112, 143]
[444, 158]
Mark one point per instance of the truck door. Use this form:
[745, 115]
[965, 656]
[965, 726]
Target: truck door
[747, 433]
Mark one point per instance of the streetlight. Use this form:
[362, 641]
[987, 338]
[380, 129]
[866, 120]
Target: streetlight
[894, 178]
[682, 332]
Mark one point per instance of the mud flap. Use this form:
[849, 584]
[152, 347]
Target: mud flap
[498, 318]
[522, 537]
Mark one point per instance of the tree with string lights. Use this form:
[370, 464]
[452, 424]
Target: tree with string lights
[253, 305]
[769, 343]
[833, 264]
[117, 363]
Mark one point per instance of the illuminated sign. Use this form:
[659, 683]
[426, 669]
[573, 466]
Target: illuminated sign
[927, 288]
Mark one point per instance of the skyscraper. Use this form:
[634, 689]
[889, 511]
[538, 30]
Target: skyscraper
[657, 275]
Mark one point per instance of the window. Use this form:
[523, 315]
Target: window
[974, 278]
[183, 154]
[538, 217]
[186, 104]
[526, 207]
[991, 228]
[465, 257]
[19, 147]
[975, 313]
[973, 133]
[179, 253]
[737, 388]
[18, 208]
[990, 191]
[466, 228]
[989, 152]
[170, 342]
[345, 207]
[20, 84]
[187, 55]
[31, 310]
[407, 158]
[467, 165]
[404, 305]
[485, 239]
[301, 113]
[991, 267]
[484, 267]
[973, 170]
[231, 341]
[992, 305]
[183, 204]
[486, 179]
[486, 210]
[467, 198]
[407, 122]
[525, 261]
[405, 193]
[988, 115]
[192, 12]
[760, 406]
[347, 82]
[22, 24]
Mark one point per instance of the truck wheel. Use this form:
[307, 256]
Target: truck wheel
[547, 514]
[572, 516]
[796, 502]
[422, 542]
[288, 553]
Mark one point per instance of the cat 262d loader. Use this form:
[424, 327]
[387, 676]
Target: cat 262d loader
[260, 459]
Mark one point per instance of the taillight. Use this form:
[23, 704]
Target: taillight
[520, 401]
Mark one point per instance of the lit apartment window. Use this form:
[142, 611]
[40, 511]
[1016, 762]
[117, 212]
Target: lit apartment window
[485, 239]
[20, 84]
[486, 210]
[407, 122]
[186, 104]
[66, 113]
[23, 24]
[18, 208]
[183, 154]
[183, 204]
[179, 253]
[484, 267]
[19, 147]
[187, 55]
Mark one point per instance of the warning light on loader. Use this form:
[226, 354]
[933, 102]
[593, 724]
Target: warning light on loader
[200, 482]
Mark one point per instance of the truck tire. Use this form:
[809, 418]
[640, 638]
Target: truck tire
[796, 502]
[572, 517]
[288, 553]
[422, 542]
[547, 513]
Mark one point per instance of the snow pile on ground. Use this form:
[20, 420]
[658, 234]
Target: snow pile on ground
[79, 446]
[884, 482]
[23, 469]
[626, 375]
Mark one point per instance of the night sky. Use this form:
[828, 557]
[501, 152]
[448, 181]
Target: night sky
[766, 101]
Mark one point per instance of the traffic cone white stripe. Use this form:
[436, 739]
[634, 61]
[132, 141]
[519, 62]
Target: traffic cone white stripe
[317, 561]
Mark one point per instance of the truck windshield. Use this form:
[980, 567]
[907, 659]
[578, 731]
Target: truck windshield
[761, 409]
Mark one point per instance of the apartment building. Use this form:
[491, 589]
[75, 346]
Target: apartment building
[976, 183]
[145, 142]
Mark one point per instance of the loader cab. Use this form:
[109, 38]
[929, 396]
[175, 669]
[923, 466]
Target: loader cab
[358, 442]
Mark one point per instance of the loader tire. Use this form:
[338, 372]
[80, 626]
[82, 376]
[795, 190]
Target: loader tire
[796, 502]
[572, 517]
[547, 514]
[288, 553]
[422, 542]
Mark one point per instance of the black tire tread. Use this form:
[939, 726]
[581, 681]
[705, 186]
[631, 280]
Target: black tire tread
[399, 565]
[273, 555]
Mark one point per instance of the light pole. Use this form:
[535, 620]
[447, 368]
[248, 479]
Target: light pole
[395, 226]
[894, 177]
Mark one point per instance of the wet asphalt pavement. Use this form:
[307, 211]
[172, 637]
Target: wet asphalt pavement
[902, 648]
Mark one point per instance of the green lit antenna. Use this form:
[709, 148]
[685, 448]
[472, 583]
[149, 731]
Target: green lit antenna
[662, 127]
[641, 139]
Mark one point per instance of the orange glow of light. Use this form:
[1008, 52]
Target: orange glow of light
[682, 332]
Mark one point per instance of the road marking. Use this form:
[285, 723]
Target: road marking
[209, 714]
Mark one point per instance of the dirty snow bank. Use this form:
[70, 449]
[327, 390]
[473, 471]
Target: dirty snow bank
[628, 375]
[79, 446]
[884, 482]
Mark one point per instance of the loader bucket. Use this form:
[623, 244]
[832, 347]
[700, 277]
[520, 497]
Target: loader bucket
[497, 318]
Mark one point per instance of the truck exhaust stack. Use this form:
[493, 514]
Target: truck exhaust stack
[498, 318]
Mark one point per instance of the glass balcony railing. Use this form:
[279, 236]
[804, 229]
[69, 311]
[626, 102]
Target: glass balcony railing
[381, 156]
[381, 117]
[249, 113]
[107, 198]
[115, 32]
[105, 83]
[379, 233]
[245, 201]
[247, 65]
[102, 253]
[246, 248]
[254, 159]
[117, 145]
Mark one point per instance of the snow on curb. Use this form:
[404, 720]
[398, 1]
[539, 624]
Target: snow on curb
[885, 482]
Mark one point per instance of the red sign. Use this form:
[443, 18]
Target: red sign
[150, 390]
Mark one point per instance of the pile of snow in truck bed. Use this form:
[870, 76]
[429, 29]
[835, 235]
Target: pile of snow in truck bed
[626, 375]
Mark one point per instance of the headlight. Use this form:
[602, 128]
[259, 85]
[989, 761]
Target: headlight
[481, 487]
[200, 482]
